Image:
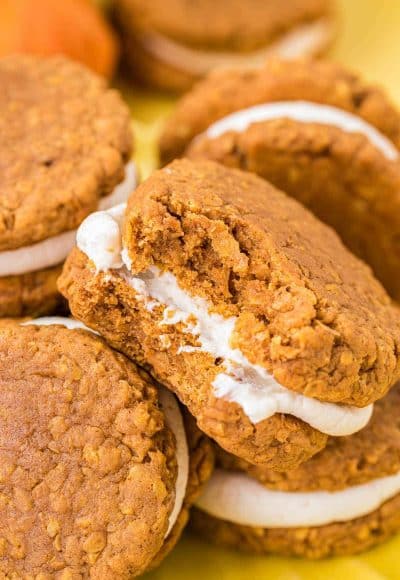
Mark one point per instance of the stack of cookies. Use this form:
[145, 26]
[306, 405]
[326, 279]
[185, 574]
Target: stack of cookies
[280, 342]
[230, 354]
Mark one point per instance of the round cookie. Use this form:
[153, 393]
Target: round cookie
[169, 44]
[317, 132]
[242, 303]
[344, 500]
[96, 477]
[65, 143]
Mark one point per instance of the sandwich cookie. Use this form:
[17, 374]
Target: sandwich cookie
[65, 142]
[169, 44]
[317, 132]
[344, 500]
[241, 302]
[96, 476]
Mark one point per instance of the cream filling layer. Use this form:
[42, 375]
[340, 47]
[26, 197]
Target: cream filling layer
[173, 418]
[54, 250]
[303, 112]
[237, 498]
[304, 40]
[249, 385]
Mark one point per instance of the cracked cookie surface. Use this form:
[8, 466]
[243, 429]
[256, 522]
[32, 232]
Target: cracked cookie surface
[339, 174]
[307, 311]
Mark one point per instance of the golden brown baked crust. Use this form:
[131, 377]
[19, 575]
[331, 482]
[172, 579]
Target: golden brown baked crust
[64, 141]
[32, 294]
[337, 539]
[346, 461]
[226, 25]
[224, 92]
[308, 311]
[88, 465]
[372, 453]
[341, 177]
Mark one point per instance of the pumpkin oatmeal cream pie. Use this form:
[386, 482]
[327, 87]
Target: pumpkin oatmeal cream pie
[316, 131]
[169, 44]
[241, 302]
[65, 142]
[98, 471]
[344, 500]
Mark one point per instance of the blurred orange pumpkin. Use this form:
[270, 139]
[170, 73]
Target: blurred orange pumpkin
[75, 28]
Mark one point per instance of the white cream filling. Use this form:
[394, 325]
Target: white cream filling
[239, 381]
[54, 250]
[303, 112]
[237, 498]
[172, 413]
[70, 323]
[303, 41]
[173, 417]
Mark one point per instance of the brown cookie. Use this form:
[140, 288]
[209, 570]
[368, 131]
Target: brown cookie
[242, 303]
[360, 473]
[169, 44]
[65, 141]
[96, 476]
[34, 293]
[315, 131]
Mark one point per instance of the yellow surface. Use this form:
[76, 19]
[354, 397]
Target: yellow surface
[368, 41]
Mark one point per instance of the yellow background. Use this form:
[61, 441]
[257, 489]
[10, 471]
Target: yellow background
[368, 41]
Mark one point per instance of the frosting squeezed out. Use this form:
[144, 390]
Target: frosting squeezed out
[304, 40]
[240, 381]
[53, 251]
[172, 413]
[303, 112]
[237, 498]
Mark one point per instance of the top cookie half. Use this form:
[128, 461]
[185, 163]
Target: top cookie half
[244, 304]
[64, 141]
[317, 132]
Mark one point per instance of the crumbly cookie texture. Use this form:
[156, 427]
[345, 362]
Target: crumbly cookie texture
[324, 325]
[64, 140]
[341, 177]
[88, 464]
[337, 539]
[224, 92]
[308, 311]
[369, 454]
[107, 304]
[33, 294]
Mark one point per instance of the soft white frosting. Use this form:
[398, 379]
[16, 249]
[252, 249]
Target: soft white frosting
[54, 250]
[303, 41]
[237, 498]
[172, 413]
[99, 237]
[239, 381]
[70, 323]
[303, 112]
[173, 417]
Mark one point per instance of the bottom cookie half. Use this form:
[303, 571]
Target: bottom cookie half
[32, 294]
[337, 539]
